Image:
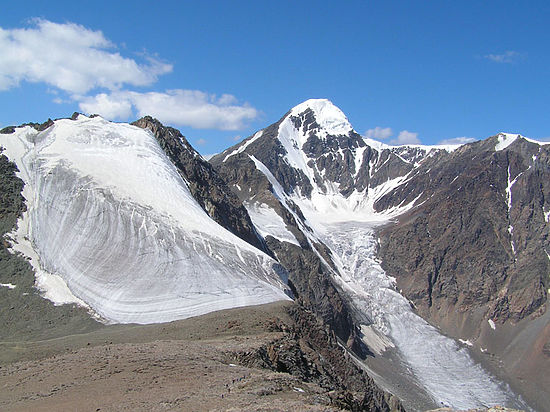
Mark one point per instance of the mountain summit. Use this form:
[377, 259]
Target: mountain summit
[458, 230]
[329, 119]
[385, 247]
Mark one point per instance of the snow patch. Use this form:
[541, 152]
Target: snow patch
[505, 140]
[331, 119]
[492, 324]
[466, 342]
[241, 148]
[268, 222]
[8, 285]
[376, 341]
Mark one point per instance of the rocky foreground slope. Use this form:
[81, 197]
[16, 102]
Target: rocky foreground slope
[255, 358]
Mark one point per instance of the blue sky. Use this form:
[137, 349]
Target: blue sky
[402, 71]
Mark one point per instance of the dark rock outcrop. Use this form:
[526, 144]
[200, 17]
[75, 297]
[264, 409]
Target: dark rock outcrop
[311, 353]
[312, 284]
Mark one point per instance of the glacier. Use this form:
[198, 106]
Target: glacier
[347, 226]
[112, 225]
[439, 364]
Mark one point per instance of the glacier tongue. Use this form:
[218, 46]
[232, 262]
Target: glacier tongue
[440, 365]
[110, 214]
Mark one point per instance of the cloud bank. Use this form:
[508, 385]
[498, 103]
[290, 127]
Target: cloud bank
[406, 137]
[379, 133]
[69, 57]
[458, 140]
[85, 65]
[181, 107]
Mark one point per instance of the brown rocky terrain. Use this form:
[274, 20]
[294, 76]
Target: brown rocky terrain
[270, 357]
[464, 257]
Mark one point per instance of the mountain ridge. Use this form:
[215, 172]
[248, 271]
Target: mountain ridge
[351, 224]
[320, 178]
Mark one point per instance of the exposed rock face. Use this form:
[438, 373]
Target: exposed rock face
[473, 256]
[204, 183]
[344, 161]
[309, 278]
[477, 243]
[313, 286]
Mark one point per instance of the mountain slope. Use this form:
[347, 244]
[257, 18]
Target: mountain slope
[205, 185]
[473, 256]
[24, 314]
[110, 216]
[334, 191]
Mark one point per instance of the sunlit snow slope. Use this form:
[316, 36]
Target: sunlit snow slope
[110, 216]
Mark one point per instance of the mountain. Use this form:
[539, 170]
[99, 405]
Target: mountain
[112, 223]
[460, 231]
[131, 224]
[418, 271]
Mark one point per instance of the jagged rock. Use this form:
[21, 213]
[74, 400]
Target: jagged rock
[455, 250]
[309, 278]
[312, 354]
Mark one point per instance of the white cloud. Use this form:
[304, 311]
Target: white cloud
[111, 106]
[201, 142]
[69, 57]
[237, 138]
[74, 59]
[406, 137]
[379, 133]
[508, 56]
[458, 140]
[192, 108]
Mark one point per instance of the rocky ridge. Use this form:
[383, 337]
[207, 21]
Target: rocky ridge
[204, 183]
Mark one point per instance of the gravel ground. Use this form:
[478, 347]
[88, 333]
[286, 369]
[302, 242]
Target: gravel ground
[183, 365]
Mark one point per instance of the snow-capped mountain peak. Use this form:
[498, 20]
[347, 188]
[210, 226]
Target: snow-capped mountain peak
[505, 140]
[330, 119]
